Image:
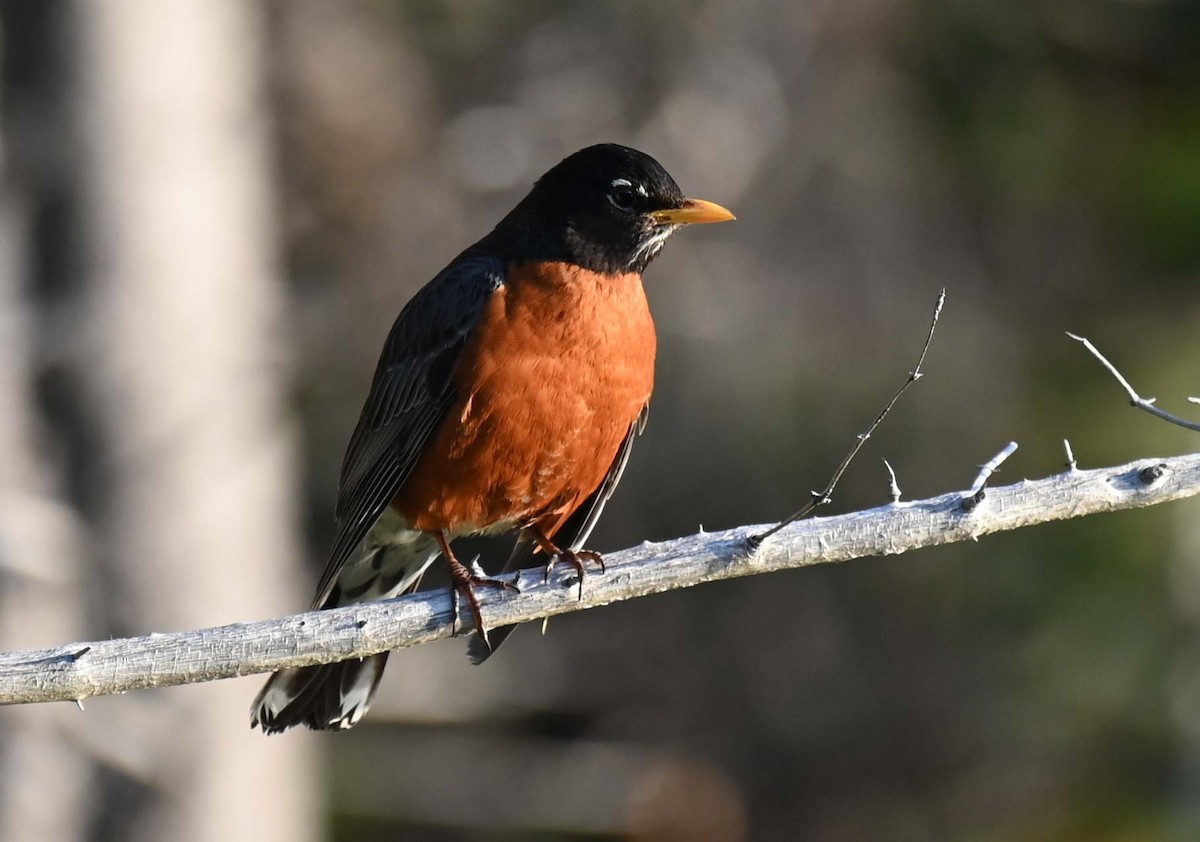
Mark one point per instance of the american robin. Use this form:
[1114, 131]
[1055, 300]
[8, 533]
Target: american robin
[507, 397]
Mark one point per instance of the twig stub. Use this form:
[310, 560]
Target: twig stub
[893, 486]
[1071, 464]
[991, 466]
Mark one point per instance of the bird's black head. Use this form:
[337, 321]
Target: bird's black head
[607, 208]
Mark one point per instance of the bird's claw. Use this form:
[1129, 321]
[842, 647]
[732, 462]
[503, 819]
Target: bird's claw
[576, 559]
[463, 582]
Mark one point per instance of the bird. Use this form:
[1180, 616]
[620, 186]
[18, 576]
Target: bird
[506, 399]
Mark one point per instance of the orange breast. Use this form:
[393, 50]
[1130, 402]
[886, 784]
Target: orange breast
[557, 369]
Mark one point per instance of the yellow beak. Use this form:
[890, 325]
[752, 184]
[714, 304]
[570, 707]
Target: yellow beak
[692, 210]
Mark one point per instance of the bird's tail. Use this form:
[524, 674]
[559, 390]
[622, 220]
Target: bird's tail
[326, 697]
[333, 697]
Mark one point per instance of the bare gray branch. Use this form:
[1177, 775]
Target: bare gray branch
[80, 670]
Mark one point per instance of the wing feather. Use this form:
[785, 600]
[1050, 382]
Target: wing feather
[411, 393]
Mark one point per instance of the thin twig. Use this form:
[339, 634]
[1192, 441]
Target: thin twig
[1145, 404]
[823, 497]
[975, 494]
[893, 486]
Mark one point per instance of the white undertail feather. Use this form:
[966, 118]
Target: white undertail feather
[389, 562]
[355, 700]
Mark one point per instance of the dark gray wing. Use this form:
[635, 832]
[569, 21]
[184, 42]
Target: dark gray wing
[571, 535]
[410, 396]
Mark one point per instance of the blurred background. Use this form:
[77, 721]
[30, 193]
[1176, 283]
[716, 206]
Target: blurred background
[212, 210]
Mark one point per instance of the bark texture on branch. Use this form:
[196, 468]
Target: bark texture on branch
[81, 670]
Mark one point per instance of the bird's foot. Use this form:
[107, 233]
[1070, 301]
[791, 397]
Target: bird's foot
[576, 559]
[463, 582]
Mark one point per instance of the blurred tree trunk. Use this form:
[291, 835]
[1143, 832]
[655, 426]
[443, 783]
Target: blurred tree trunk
[41, 593]
[185, 373]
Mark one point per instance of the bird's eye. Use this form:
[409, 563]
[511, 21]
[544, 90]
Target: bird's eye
[622, 196]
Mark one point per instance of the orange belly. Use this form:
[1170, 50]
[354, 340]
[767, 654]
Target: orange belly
[557, 370]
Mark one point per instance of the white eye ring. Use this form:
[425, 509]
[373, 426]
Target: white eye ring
[622, 192]
[621, 182]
